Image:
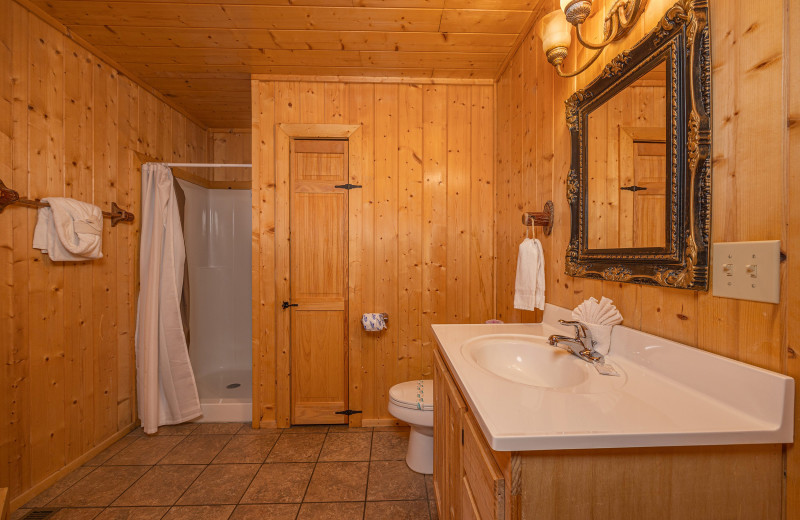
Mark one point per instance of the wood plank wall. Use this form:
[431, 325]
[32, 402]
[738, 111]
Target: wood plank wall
[756, 66]
[230, 146]
[68, 125]
[426, 220]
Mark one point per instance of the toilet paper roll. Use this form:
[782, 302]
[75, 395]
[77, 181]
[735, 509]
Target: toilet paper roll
[373, 321]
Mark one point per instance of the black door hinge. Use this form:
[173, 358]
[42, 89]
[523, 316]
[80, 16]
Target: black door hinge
[348, 412]
[347, 186]
[286, 305]
[633, 188]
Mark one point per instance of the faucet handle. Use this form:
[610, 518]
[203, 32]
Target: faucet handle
[580, 328]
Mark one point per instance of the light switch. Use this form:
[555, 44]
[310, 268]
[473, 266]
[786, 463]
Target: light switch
[747, 270]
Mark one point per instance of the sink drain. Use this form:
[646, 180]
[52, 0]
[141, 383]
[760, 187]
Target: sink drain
[233, 385]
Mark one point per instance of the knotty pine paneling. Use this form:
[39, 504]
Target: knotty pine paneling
[755, 67]
[232, 147]
[69, 124]
[425, 221]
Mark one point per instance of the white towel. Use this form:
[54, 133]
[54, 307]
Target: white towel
[529, 287]
[599, 317]
[69, 230]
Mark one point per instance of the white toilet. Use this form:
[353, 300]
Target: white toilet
[412, 402]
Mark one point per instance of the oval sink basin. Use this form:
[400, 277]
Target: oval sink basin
[528, 360]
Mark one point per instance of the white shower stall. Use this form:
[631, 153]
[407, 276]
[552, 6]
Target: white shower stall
[217, 234]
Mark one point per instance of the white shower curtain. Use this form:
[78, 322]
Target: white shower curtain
[165, 385]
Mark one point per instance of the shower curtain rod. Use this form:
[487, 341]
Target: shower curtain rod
[202, 165]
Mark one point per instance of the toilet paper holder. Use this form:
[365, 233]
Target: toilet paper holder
[385, 316]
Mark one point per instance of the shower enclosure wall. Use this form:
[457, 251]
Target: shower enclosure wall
[217, 231]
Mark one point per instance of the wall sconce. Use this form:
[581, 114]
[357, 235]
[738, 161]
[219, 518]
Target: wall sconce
[555, 31]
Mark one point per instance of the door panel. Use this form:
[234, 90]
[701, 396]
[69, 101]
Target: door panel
[318, 367]
[318, 244]
[318, 237]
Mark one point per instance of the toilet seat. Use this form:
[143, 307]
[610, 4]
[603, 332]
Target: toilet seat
[413, 395]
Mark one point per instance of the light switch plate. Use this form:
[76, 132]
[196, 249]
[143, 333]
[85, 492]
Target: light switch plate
[747, 270]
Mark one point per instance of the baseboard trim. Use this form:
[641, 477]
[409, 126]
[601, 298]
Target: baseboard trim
[371, 423]
[21, 500]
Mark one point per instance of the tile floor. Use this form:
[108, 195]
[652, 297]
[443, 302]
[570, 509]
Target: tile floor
[231, 472]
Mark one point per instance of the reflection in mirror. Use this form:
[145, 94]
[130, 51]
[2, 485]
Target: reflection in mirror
[627, 166]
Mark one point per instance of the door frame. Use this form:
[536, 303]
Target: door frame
[284, 133]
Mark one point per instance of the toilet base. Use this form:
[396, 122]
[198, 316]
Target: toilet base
[420, 450]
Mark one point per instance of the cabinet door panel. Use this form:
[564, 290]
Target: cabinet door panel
[448, 413]
[482, 473]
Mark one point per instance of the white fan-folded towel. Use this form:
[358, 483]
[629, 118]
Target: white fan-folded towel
[529, 286]
[69, 230]
[599, 317]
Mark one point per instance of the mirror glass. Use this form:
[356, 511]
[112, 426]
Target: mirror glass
[627, 166]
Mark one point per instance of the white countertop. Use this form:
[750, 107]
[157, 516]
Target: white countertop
[670, 395]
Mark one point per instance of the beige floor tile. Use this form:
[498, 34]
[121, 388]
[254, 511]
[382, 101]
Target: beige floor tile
[301, 447]
[393, 480]
[112, 450]
[397, 510]
[76, 513]
[332, 511]
[220, 484]
[199, 513]
[59, 487]
[132, 513]
[279, 483]
[346, 447]
[429, 487]
[309, 428]
[389, 445]
[217, 428]
[344, 428]
[265, 512]
[247, 429]
[244, 449]
[145, 451]
[100, 487]
[432, 510]
[196, 449]
[160, 486]
[338, 482]
[177, 429]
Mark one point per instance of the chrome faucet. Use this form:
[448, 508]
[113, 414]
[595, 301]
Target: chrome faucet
[581, 345]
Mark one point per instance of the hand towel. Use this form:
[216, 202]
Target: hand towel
[599, 317]
[69, 230]
[529, 286]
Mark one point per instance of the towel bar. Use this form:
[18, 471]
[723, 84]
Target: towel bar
[9, 197]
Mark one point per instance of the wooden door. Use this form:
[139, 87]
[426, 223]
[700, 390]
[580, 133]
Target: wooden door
[318, 281]
[643, 165]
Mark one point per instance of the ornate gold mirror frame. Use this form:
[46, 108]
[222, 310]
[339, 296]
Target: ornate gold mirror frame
[682, 38]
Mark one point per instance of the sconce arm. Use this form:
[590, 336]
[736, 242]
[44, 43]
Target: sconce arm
[585, 66]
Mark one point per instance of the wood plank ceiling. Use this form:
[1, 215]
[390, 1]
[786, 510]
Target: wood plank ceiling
[201, 53]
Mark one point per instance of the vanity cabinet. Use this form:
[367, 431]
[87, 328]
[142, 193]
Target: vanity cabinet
[467, 478]
[472, 481]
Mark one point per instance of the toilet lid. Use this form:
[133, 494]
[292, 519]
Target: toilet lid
[417, 395]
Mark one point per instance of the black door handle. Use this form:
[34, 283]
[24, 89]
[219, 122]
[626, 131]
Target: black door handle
[286, 305]
[633, 188]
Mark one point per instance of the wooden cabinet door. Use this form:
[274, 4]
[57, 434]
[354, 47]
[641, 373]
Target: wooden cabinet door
[448, 413]
[318, 281]
[482, 474]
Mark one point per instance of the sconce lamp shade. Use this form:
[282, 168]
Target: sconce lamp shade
[555, 31]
